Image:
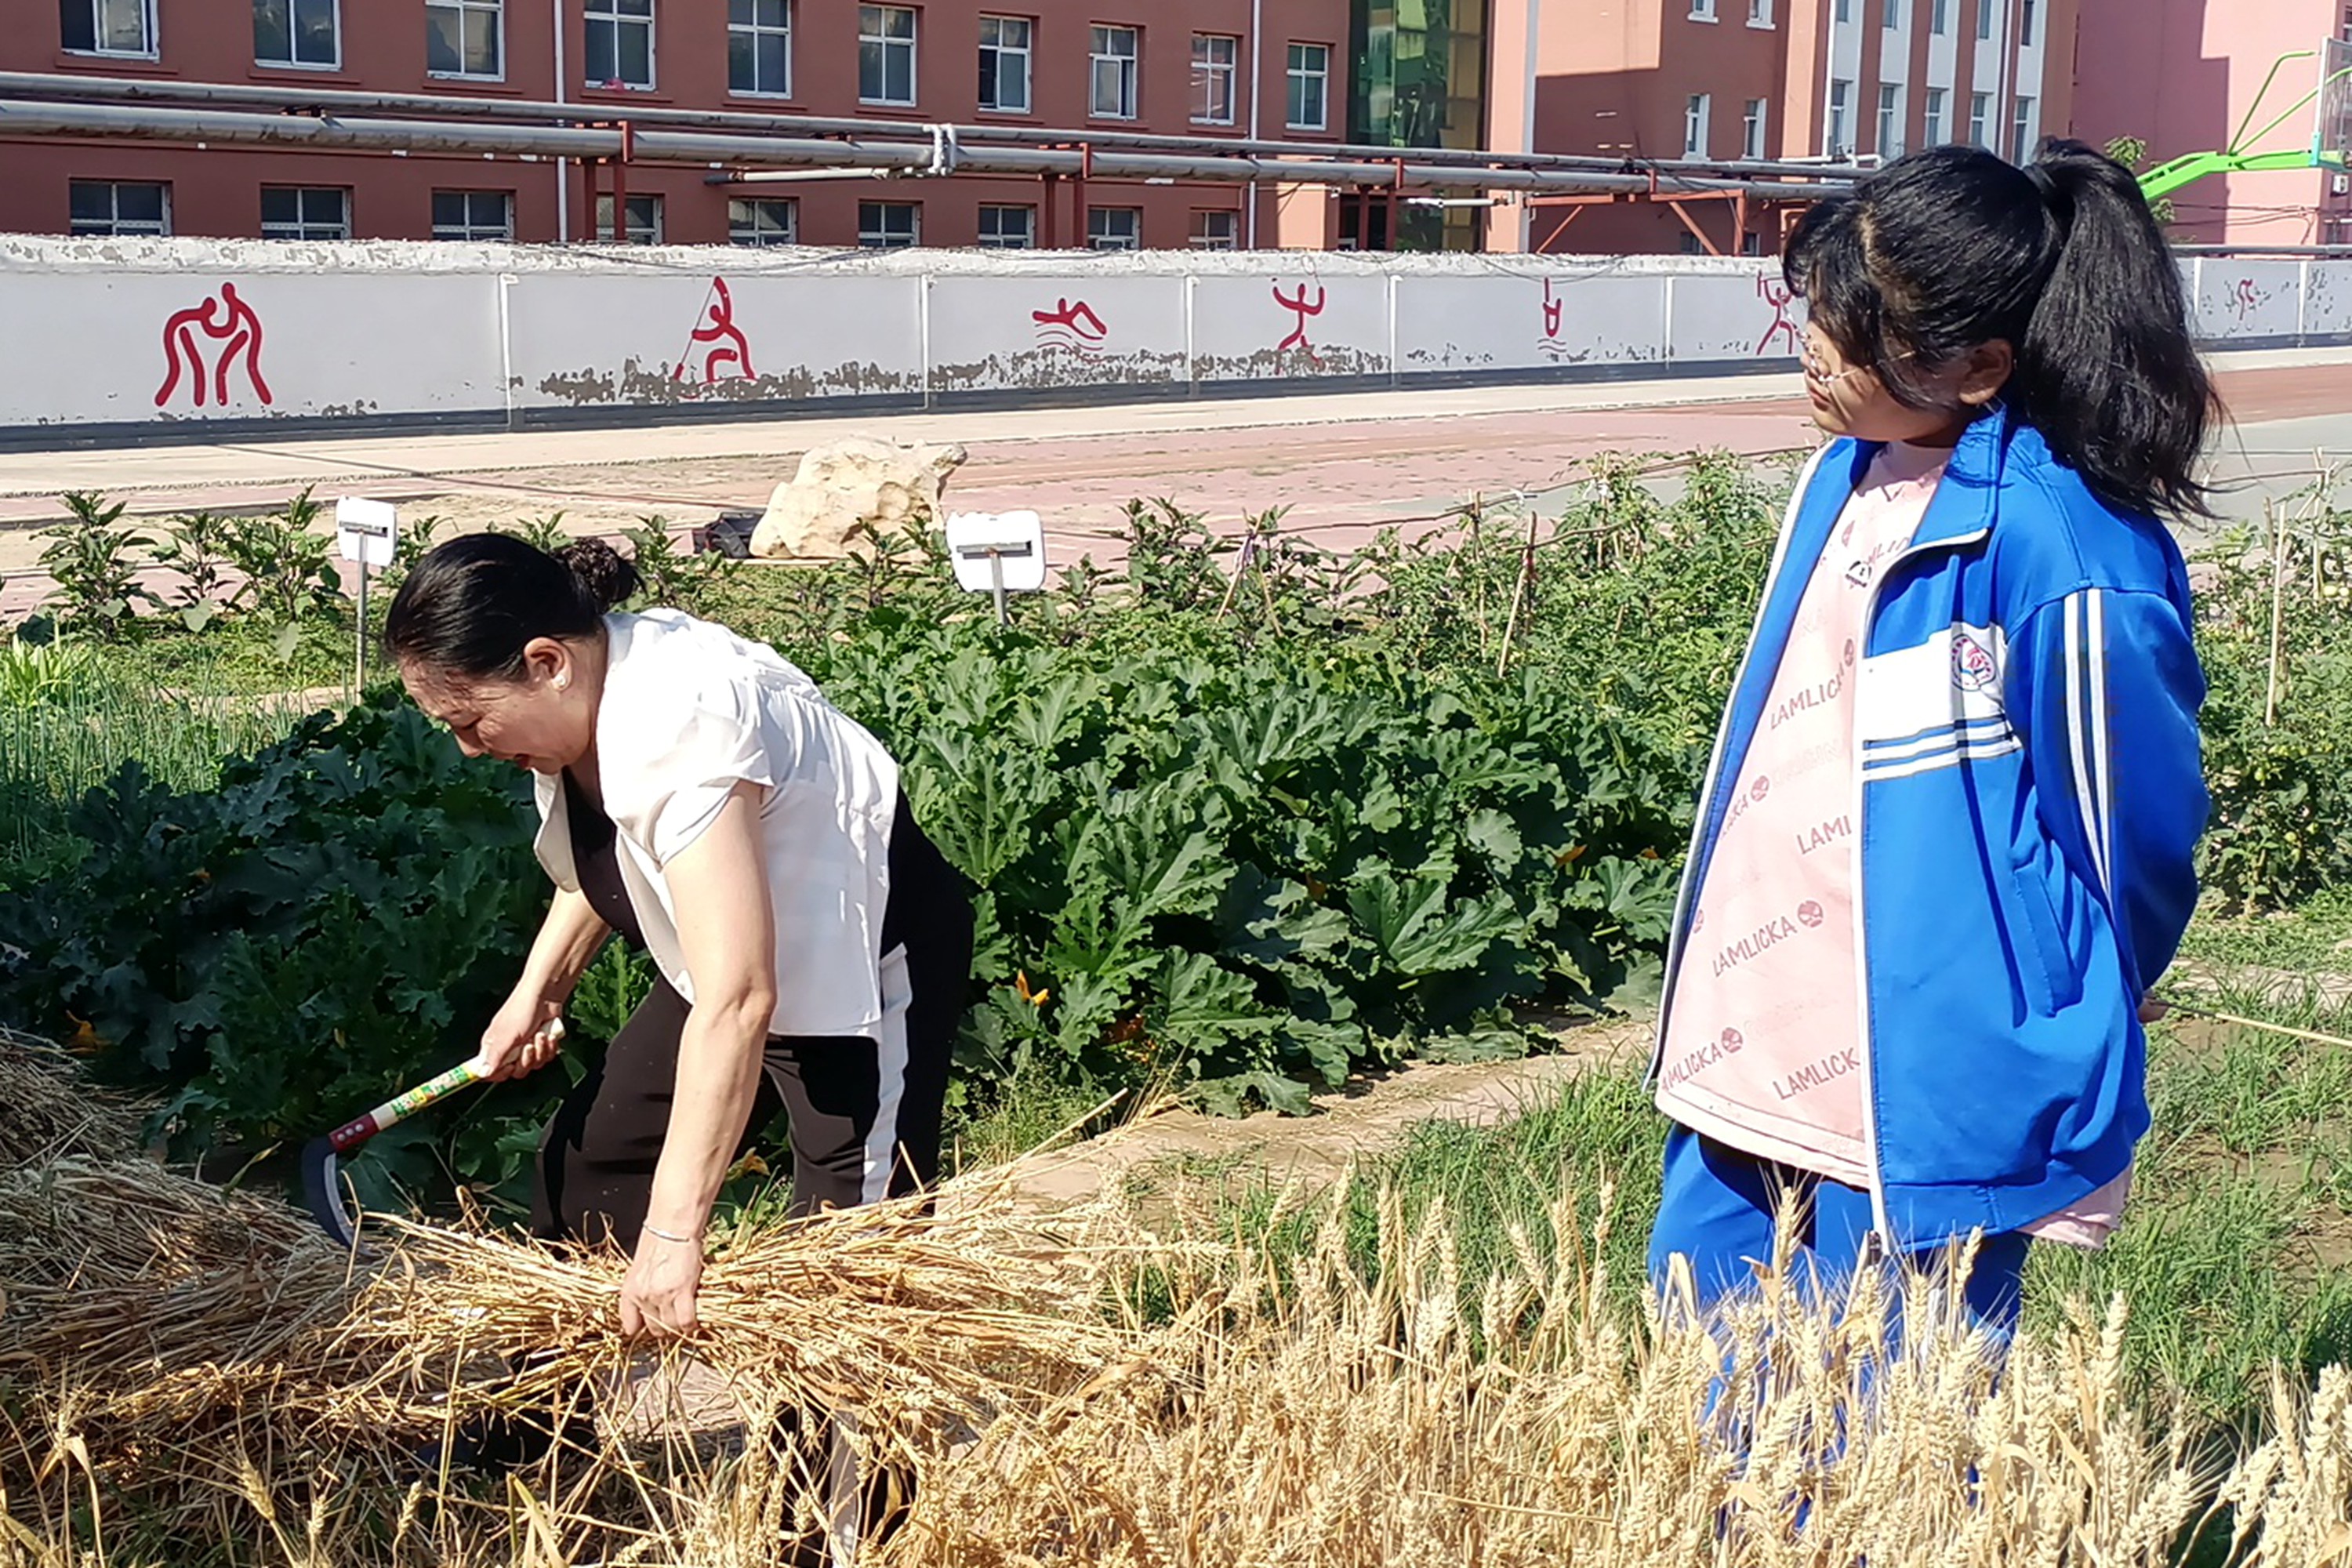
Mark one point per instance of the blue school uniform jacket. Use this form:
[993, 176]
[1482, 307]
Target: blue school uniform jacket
[2027, 796]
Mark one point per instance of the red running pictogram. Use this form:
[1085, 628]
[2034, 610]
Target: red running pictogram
[1297, 304]
[717, 329]
[1779, 296]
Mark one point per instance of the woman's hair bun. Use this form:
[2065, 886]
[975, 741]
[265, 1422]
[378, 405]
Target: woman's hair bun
[610, 577]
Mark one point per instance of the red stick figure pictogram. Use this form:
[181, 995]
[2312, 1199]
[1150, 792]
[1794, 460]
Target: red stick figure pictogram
[227, 321]
[719, 329]
[1299, 307]
[1552, 305]
[2245, 299]
[1779, 296]
[1071, 324]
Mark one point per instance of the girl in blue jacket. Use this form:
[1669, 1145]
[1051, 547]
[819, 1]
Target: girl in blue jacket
[1944, 843]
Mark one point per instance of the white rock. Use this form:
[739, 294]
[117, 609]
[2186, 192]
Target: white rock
[851, 484]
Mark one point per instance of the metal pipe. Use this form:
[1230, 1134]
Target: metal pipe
[562, 165]
[1257, 70]
[805, 152]
[50, 88]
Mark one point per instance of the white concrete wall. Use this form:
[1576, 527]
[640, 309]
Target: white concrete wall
[116, 333]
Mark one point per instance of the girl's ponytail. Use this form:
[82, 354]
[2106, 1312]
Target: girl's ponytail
[1948, 249]
[2107, 371]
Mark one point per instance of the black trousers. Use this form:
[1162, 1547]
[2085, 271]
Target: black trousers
[864, 1116]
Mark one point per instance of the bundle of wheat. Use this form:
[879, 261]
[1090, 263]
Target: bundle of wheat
[49, 1110]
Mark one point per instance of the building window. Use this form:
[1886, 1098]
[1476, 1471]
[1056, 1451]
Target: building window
[290, 211]
[1215, 228]
[759, 47]
[1008, 227]
[1840, 103]
[1980, 119]
[295, 33]
[1702, 10]
[1115, 52]
[1894, 17]
[641, 220]
[465, 38]
[1755, 128]
[1890, 120]
[1695, 117]
[1939, 16]
[2025, 24]
[885, 55]
[761, 222]
[1984, 17]
[1844, 10]
[1935, 115]
[1310, 87]
[2020, 132]
[108, 26]
[111, 208]
[1760, 13]
[473, 215]
[1114, 228]
[1214, 58]
[889, 226]
[1004, 64]
[620, 35]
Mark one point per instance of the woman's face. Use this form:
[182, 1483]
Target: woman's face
[1851, 399]
[545, 721]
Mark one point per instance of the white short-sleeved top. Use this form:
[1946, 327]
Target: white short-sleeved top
[690, 709]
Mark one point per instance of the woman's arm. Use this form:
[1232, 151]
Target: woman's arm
[518, 1040]
[726, 931]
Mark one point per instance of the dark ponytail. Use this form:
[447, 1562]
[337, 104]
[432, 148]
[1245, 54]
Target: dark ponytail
[1948, 248]
[472, 606]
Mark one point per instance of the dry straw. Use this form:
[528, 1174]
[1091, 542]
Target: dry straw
[188, 1373]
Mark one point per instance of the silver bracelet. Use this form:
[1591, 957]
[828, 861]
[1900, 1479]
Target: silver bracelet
[694, 1240]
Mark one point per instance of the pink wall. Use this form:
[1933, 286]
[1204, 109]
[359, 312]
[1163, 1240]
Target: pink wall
[384, 49]
[2182, 75]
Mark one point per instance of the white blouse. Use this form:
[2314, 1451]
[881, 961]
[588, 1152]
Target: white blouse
[691, 709]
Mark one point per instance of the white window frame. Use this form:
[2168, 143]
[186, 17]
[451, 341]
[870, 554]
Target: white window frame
[1935, 132]
[999, 241]
[1125, 72]
[1702, 10]
[1843, 11]
[469, 229]
[1980, 119]
[881, 235]
[2025, 24]
[2024, 128]
[115, 221]
[1699, 110]
[1893, 18]
[1298, 75]
[1984, 19]
[1203, 235]
[1939, 16]
[1207, 72]
[626, 233]
[1760, 13]
[748, 221]
[1756, 128]
[873, 17]
[1889, 142]
[293, 38]
[303, 226]
[465, 8]
[1835, 130]
[1025, 51]
[611, 15]
[756, 30]
[1099, 237]
[99, 48]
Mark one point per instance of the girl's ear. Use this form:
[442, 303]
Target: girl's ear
[1985, 370]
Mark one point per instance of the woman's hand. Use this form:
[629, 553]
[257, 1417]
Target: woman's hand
[657, 1294]
[524, 1036]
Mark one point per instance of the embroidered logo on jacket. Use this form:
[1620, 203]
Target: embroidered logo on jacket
[1973, 667]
